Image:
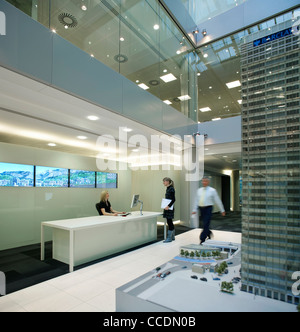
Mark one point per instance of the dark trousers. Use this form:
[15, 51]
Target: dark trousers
[205, 214]
[170, 224]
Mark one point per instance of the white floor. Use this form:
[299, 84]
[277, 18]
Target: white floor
[93, 288]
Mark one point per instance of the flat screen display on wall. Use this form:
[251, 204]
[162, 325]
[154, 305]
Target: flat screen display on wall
[51, 176]
[82, 179]
[16, 175]
[107, 180]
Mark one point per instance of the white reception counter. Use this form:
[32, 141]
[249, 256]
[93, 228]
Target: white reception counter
[80, 240]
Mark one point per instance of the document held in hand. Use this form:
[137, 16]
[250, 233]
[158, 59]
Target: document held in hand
[166, 202]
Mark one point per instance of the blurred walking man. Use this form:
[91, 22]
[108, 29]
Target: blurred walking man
[206, 197]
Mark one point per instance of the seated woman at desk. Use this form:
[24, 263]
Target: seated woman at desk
[104, 207]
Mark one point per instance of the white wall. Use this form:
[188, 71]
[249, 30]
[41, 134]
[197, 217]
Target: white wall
[23, 209]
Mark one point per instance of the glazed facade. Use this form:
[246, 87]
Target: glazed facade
[270, 72]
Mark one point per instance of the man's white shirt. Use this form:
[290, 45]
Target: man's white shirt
[211, 198]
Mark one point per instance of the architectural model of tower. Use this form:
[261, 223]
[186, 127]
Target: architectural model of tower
[270, 70]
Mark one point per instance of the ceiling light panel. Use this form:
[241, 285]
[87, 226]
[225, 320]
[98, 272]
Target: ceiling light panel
[233, 84]
[184, 98]
[205, 109]
[168, 78]
[143, 86]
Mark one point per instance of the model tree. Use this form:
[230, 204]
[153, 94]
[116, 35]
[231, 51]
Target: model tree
[227, 287]
[221, 268]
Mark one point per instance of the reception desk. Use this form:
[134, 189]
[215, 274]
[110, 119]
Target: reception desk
[81, 240]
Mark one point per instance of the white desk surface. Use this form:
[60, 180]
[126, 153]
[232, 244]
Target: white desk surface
[89, 222]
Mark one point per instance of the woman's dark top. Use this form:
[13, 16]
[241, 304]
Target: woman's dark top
[104, 205]
[170, 194]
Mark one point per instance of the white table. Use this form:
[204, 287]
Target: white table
[80, 240]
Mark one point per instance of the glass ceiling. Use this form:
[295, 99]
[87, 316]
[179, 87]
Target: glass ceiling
[203, 10]
[138, 39]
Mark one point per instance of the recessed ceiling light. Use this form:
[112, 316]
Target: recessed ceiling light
[143, 86]
[233, 84]
[82, 137]
[216, 119]
[205, 109]
[205, 55]
[84, 8]
[93, 117]
[122, 39]
[156, 27]
[168, 78]
[185, 97]
[167, 102]
[51, 144]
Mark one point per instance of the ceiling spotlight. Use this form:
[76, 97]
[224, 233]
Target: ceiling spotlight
[204, 32]
[196, 31]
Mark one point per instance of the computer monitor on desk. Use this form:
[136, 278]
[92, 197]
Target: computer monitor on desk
[135, 201]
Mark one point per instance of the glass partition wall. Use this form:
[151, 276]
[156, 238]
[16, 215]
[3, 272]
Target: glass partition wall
[139, 40]
[135, 38]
